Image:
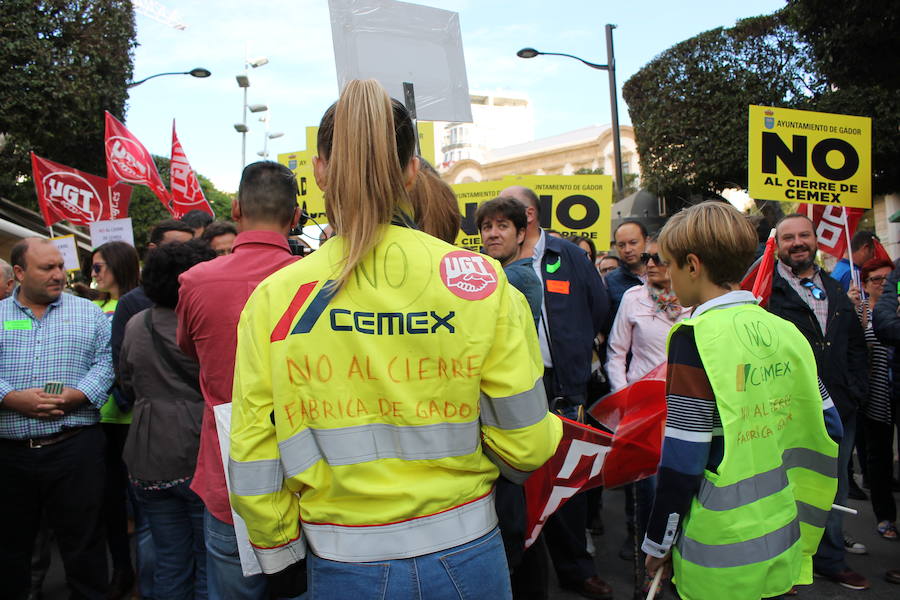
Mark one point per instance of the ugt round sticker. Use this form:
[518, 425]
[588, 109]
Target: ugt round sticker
[469, 276]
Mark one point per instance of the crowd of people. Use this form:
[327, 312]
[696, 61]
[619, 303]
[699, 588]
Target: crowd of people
[388, 394]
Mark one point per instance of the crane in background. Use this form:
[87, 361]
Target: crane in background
[159, 13]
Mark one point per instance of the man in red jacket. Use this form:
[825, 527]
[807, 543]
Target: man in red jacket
[211, 298]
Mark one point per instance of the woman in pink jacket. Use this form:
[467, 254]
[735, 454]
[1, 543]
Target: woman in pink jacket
[645, 316]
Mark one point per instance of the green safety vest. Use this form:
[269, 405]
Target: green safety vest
[110, 411]
[755, 523]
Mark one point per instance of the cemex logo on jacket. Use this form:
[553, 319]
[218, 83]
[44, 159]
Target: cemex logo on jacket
[342, 319]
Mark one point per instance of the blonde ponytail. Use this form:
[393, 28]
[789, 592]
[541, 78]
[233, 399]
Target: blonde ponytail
[365, 174]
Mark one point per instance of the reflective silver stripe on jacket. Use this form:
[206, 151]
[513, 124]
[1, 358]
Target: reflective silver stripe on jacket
[738, 554]
[364, 443]
[765, 484]
[255, 477]
[812, 515]
[516, 411]
[405, 539]
[507, 470]
[273, 560]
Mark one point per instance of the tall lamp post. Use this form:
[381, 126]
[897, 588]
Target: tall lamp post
[196, 72]
[610, 68]
[243, 81]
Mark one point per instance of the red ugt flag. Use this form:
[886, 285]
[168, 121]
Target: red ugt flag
[127, 160]
[67, 194]
[828, 221]
[587, 457]
[186, 192]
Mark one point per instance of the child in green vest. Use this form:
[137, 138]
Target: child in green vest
[747, 474]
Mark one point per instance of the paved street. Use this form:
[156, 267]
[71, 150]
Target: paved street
[882, 555]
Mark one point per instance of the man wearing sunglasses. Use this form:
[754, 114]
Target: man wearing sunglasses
[818, 306]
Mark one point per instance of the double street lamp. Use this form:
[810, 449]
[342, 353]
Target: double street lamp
[243, 81]
[268, 136]
[196, 72]
[610, 68]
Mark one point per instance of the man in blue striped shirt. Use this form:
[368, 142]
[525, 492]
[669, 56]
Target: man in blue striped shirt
[51, 449]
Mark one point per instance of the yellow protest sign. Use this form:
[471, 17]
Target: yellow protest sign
[426, 140]
[813, 157]
[301, 165]
[312, 139]
[571, 204]
[469, 196]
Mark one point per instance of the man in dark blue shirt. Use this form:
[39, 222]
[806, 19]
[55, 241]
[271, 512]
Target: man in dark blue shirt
[502, 224]
[575, 309]
[631, 240]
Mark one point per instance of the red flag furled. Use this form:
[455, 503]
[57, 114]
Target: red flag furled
[828, 221]
[127, 160]
[67, 194]
[587, 457]
[880, 252]
[186, 192]
[759, 278]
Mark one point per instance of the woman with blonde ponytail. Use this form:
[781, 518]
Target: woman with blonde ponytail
[380, 385]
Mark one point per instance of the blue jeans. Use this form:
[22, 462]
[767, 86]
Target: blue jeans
[143, 548]
[175, 515]
[225, 578]
[829, 558]
[475, 570]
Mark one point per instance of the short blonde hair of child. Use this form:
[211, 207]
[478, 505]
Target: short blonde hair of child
[718, 234]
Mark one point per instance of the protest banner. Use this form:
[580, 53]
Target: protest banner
[587, 458]
[400, 42]
[127, 160]
[571, 204]
[187, 195]
[118, 230]
[300, 163]
[69, 250]
[67, 194]
[805, 156]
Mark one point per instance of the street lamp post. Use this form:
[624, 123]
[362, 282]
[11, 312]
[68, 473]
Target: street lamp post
[243, 81]
[267, 136]
[196, 72]
[610, 68]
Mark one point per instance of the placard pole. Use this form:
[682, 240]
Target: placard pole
[409, 99]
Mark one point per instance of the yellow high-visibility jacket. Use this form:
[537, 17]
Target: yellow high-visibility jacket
[367, 414]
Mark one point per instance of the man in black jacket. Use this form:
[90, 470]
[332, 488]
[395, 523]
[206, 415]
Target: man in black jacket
[575, 309]
[814, 302]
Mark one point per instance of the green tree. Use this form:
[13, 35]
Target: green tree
[689, 104]
[63, 64]
[146, 210]
[850, 47]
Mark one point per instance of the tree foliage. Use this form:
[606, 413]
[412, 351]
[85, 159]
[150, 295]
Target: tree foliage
[854, 49]
[146, 210]
[63, 64]
[854, 42]
[689, 104]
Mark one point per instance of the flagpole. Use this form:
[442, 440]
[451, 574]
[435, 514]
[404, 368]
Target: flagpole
[51, 231]
[853, 276]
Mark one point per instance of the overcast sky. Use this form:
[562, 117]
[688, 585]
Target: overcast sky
[300, 82]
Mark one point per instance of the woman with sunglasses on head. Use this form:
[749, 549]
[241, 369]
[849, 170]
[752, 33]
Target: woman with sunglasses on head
[115, 268]
[380, 454]
[645, 317]
[878, 413]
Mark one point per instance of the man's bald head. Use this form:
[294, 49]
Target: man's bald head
[7, 279]
[527, 197]
[523, 194]
[40, 269]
